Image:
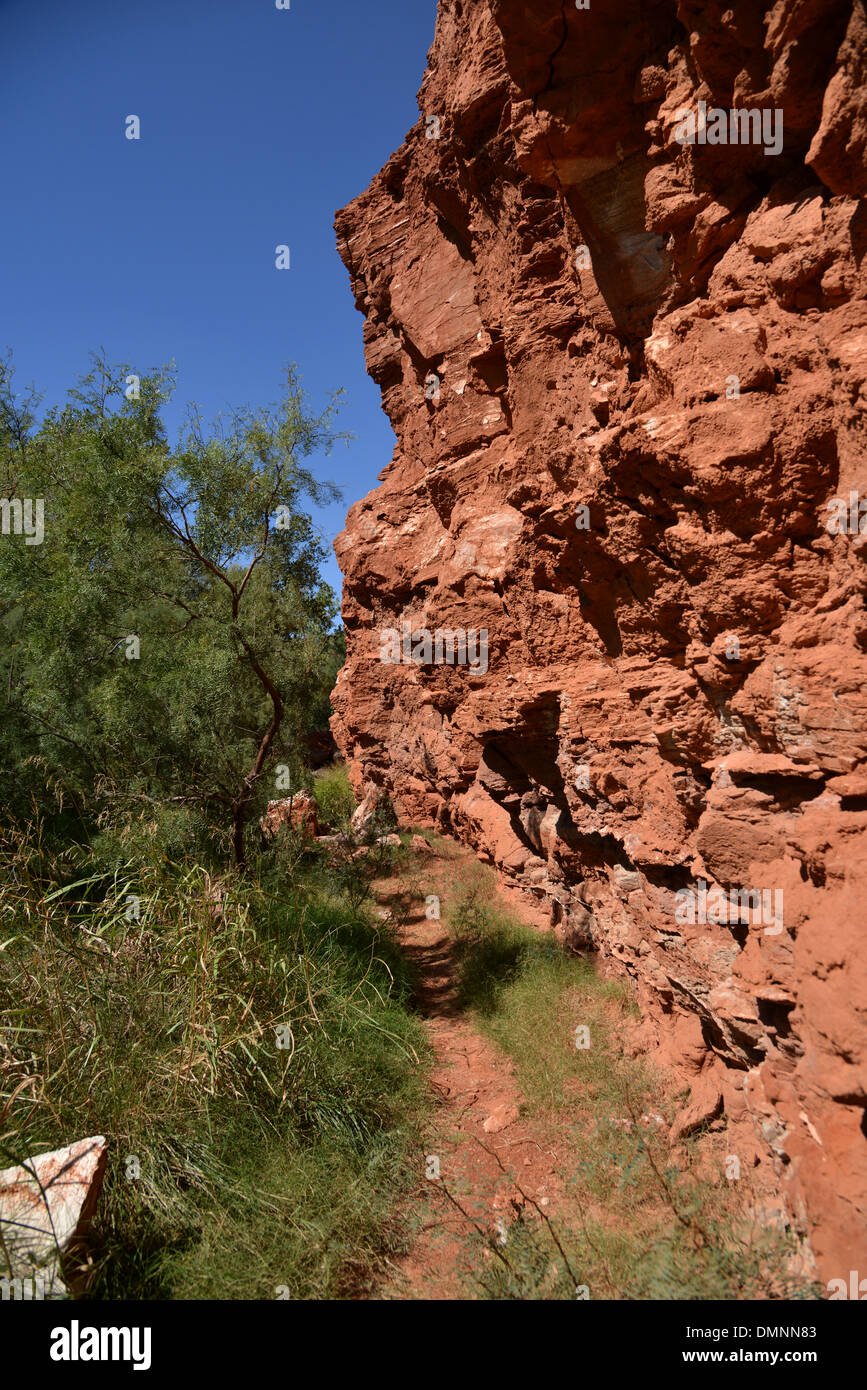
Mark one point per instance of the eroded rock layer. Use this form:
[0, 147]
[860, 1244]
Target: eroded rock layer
[627, 376]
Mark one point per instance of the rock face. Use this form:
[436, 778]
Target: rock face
[628, 375]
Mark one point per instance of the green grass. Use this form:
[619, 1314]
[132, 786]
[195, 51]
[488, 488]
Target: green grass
[637, 1224]
[334, 796]
[266, 1171]
[260, 1167]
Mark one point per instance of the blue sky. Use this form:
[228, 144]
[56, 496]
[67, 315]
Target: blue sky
[256, 125]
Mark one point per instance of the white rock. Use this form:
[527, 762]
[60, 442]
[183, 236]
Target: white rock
[46, 1205]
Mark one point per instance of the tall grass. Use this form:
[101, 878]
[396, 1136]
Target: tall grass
[638, 1220]
[245, 1045]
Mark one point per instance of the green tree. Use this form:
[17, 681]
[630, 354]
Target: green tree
[165, 645]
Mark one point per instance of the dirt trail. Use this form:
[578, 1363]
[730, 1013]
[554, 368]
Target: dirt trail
[477, 1122]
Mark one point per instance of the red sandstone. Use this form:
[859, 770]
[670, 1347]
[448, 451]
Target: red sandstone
[627, 378]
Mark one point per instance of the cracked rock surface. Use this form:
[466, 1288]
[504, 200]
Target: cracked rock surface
[627, 379]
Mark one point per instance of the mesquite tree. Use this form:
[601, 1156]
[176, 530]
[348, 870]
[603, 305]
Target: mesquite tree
[167, 639]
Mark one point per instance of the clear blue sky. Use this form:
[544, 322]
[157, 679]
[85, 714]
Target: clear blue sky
[256, 125]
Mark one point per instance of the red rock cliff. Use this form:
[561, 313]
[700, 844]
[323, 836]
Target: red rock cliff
[627, 378]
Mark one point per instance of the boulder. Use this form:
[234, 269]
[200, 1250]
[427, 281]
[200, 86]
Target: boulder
[46, 1205]
[705, 1105]
[374, 810]
[298, 811]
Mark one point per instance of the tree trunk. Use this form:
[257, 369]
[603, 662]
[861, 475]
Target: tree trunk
[239, 808]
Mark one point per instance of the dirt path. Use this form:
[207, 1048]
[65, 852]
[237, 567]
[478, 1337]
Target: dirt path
[478, 1125]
